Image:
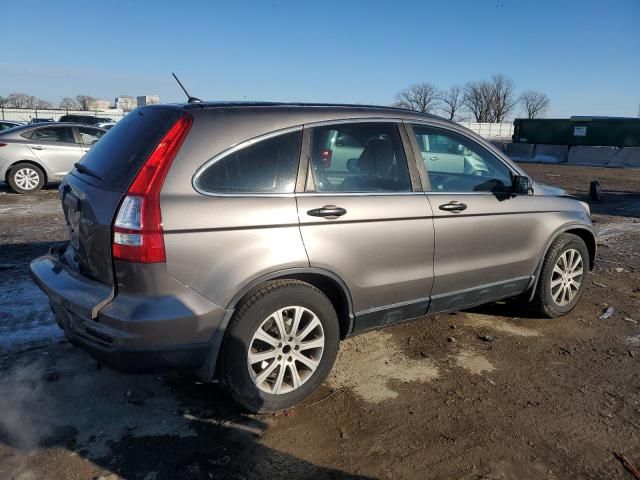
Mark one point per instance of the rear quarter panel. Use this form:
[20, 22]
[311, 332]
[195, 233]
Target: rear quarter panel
[218, 244]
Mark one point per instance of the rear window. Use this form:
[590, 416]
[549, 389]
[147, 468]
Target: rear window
[121, 152]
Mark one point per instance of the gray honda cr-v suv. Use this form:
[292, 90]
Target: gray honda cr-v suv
[245, 240]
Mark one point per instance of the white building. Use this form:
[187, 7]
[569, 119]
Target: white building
[100, 104]
[126, 103]
[148, 100]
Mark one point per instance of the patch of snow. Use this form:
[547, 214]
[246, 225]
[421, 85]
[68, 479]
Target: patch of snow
[25, 316]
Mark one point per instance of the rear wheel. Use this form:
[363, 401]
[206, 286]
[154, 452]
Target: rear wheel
[26, 178]
[562, 276]
[279, 346]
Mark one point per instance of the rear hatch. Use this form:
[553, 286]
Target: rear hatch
[91, 193]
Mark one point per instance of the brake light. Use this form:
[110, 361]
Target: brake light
[3, 144]
[137, 230]
[325, 158]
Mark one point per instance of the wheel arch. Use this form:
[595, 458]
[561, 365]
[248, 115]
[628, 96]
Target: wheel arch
[584, 232]
[324, 280]
[30, 162]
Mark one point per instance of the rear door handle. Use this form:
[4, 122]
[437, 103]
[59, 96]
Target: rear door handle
[453, 207]
[328, 211]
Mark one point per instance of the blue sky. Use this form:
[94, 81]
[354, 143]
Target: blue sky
[585, 54]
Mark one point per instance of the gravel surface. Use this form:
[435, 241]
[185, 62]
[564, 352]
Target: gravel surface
[489, 393]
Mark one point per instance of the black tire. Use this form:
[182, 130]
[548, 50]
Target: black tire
[16, 178]
[543, 301]
[252, 311]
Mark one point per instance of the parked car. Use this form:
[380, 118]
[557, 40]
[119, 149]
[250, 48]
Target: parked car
[223, 238]
[6, 125]
[106, 125]
[32, 155]
[84, 119]
[41, 120]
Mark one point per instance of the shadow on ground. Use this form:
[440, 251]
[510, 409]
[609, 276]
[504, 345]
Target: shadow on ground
[138, 427]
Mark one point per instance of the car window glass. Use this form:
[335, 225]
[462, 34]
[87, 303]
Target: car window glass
[89, 135]
[358, 157]
[457, 164]
[53, 134]
[267, 166]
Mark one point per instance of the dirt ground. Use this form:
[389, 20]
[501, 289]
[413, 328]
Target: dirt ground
[546, 399]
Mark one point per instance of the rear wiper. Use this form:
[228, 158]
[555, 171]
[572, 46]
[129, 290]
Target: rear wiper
[86, 170]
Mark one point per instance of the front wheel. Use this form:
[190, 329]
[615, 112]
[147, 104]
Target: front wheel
[26, 178]
[562, 277]
[280, 345]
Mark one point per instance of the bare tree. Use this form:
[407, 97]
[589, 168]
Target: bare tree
[503, 97]
[451, 102]
[40, 103]
[68, 103]
[85, 102]
[30, 101]
[421, 97]
[490, 101]
[3, 101]
[477, 99]
[18, 100]
[534, 104]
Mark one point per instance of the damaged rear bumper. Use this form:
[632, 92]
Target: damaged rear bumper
[130, 333]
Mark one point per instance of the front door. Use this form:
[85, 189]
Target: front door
[486, 238]
[365, 220]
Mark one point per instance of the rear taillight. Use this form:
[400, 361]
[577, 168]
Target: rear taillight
[137, 230]
[3, 144]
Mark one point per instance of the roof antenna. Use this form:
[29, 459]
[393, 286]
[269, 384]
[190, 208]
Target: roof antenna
[190, 99]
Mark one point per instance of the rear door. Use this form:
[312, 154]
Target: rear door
[365, 219]
[486, 238]
[88, 136]
[56, 148]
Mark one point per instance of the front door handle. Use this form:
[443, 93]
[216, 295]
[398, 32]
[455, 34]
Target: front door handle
[38, 147]
[453, 207]
[328, 211]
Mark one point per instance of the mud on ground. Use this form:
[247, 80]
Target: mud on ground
[543, 398]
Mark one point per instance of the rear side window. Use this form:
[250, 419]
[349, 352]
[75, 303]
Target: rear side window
[359, 157]
[267, 166]
[53, 134]
[89, 135]
[118, 157]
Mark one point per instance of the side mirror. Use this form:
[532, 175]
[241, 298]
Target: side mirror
[522, 185]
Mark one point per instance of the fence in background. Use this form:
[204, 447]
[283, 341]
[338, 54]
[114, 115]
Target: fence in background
[490, 130]
[487, 130]
[26, 114]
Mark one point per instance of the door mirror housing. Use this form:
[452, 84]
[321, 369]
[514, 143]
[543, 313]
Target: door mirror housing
[522, 185]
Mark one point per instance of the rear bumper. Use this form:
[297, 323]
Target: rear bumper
[131, 333]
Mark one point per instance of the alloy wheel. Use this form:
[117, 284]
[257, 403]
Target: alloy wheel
[286, 350]
[27, 178]
[566, 277]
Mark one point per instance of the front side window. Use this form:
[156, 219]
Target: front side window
[89, 136]
[358, 157]
[267, 166]
[53, 134]
[457, 164]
